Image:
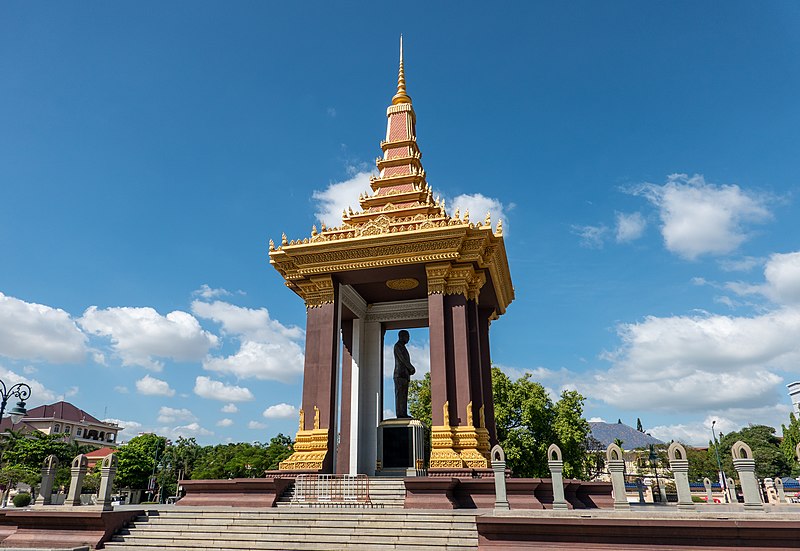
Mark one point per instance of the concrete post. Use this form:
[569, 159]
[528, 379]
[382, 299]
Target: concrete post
[78, 471]
[107, 473]
[556, 465]
[730, 484]
[640, 489]
[680, 470]
[709, 493]
[499, 467]
[780, 490]
[616, 467]
[745, 465]
[49, 468]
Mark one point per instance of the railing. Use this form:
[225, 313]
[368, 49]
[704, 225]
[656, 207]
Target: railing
[331, 489]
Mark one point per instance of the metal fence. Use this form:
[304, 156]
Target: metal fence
[331, 489]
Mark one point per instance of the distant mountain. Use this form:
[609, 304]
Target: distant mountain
[631, 438]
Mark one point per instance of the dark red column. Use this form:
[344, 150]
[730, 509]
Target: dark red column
[475, 373]
[458, 350]
[436, 324]
[486, 372]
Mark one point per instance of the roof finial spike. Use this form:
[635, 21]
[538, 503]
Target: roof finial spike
[401, 96]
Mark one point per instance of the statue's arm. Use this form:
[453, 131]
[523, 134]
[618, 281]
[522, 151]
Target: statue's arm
[404, 358]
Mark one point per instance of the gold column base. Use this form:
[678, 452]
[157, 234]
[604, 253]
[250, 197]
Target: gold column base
[468, 445]
[443, 454]
[310, 449]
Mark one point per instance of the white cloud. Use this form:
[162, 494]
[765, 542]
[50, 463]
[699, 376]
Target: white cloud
[130, 426]
[150, 386]
[256, 425]
[280, 411]
[629, 227]
[30, 331]
[268, 349]
[743, 264]
[782, 273]
[39, 392]
[338, 196]
[700, 218]
[138, 335]
[478, 205]
[167, 414]
[29, 370]
[596, 420]
[207, 292]
[206, 387]
[229, 408]
[225, 422]
[121, 389]
[185, 431]
[591, 237]
[71, 392]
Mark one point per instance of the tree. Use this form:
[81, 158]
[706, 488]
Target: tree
[639, 426]
[572, 431]
[791, 437]
[31, 451]
[770, 460]
[702, 463]
[280, 447]
[136, 460]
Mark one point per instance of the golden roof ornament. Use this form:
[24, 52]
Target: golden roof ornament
[401, 96]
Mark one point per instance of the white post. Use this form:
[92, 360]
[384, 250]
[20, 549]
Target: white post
[556, 464]
[709, 493]
[499, 467]
[745, 465]
[680, 469]
[107, 473]
[78, 471]
[616, 467]
[49, 468]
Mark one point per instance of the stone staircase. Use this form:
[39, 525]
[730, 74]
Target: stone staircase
[386, 492]
[228, 529]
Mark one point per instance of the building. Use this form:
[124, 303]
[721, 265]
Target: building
[794, 394]
[68, 420]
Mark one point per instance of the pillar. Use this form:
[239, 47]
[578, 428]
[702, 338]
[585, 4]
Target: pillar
[745, 466]
[709, 493]
[616, 466]
[680, 469]
[49, 468]
[730, 490]
[779, 488]
[346, 433]
[556, 465]
[484, 315]
[315, 443]
[78, 471]
[499, 467]
[107, 472]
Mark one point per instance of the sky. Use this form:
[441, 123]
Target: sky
[644, 159]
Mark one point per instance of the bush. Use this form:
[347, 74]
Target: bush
[22, 499]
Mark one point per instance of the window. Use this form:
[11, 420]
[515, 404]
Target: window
[111, 436]
[57, 428]
[78, 431]
[67, 429]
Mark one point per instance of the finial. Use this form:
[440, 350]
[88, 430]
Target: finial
[401, 96]
[488, 220]
[271, 245]
[457, 214]
[466, 216]
[499, 228]
[314, 230]
[284, 241]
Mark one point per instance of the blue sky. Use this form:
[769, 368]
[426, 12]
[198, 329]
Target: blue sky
[643, 157]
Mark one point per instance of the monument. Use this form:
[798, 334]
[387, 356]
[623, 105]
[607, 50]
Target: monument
[398, 261]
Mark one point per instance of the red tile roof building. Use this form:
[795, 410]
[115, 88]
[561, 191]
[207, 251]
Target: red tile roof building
[73, 423]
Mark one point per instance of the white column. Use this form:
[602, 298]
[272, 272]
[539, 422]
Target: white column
[370, 380]
[355, 385]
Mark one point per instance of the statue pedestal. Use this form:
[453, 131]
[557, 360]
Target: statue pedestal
[401, 448]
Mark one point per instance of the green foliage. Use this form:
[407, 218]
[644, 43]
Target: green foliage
[791, 437]
[702, 463]
[419, 400]
[30, 451]
[241, 460]
[22, 499]
[137, 460]
[770, 460]
[571, 431]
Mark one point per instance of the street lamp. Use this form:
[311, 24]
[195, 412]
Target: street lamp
[21, 391]
[719, 463]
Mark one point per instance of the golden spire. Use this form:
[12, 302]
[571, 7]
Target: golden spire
[401, 96]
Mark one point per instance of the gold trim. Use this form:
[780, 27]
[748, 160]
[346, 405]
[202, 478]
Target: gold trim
[402, 284]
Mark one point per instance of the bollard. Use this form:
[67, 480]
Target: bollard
[616, 466]
[745, 465]
[780, 490]
[730, 485]
[78, 471]
[49, 468]
[499, 467]
[680, 468]
[556, 465]
[709, 493]
[107, 473]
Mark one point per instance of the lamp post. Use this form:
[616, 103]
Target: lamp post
[21, 391]
[719, 463]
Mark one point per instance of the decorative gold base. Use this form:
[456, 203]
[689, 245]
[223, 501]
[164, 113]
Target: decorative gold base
[467, 444]
[459, 447]
[443, 456]
[310, 449]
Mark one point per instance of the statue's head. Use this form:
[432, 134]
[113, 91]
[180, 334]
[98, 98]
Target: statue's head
[403, 336]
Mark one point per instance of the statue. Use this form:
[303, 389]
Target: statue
[403, 370]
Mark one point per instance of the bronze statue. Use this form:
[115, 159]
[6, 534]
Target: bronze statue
[403, 370]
